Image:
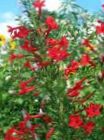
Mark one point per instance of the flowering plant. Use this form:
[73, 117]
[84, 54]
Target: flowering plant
[57, 78]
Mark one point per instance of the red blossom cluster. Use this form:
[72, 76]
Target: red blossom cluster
[15, 56]
[85, 60]
[76, 122]
[58, 48]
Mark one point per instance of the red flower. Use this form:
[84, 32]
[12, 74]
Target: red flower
[50, 133]
[74, 91]
[12, 134]
[24, 88]
[88, 127]
[75, 121]
[100, 28]
[18, 32]
[72, 68]
[15, 56]
[93, 110]
[25, 83]
[64, 42]
[86, 60]
[51, 41]
[27, 47]
[51, 23]
[57, 54]
[27, 64]
[39, 4]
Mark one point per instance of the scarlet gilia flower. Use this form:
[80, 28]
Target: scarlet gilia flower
[72, 68]
[93, 110]
[50, 133]
[74, 91]
[27, 64]
[51, 23]
[75, 121]
[13, 134]
[57, 53]
[51, 42]
[87, 43]
[100, 27]
[39, 4]
[88, 127]
[86, 60]
[18, 32]
[24, 88]
[58, 49]
[13, 57]
[64, 42]
[27, 47]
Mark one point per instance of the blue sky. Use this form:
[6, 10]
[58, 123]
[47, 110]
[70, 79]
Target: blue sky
[91, 5]
[12, 6]
[8, 5]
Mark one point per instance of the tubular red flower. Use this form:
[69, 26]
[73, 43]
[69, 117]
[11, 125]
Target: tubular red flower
[50, 133]
[51, 42]
[15, 56]
[75, 121]
[57, 54]
[86, 60]
[88, 127]
[13, 134]
[93, 110]
[27, 47]
[72, 68]
[74, 91]
[64, 42]
[51, 23]
[27, 64]
[39, 4]
[24, 88]
[100, 28]
[18, 32]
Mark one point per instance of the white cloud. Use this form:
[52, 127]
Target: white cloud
[52, 4]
